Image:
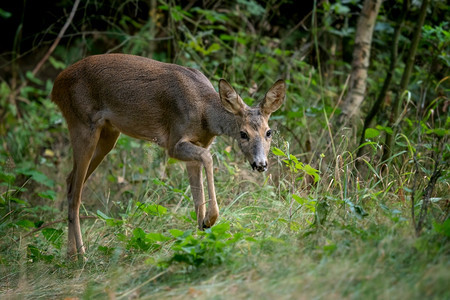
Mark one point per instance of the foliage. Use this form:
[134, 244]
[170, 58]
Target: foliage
[312, 218]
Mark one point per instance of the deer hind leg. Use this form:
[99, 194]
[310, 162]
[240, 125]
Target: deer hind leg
[194, 170]
[186, 151]
[84, 140]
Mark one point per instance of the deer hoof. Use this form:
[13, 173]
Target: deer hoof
[205, 226]
[209, 222]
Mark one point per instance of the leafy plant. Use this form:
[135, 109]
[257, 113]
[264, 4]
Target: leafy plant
[211, 247]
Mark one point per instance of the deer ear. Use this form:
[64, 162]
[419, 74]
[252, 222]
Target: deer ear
[274, 98]
[229, 98]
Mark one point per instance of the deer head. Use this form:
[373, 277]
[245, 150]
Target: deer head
[253, 132]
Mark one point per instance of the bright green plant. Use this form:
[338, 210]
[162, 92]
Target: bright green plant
[210, 247]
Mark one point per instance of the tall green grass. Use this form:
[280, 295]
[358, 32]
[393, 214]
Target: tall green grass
[314, 226]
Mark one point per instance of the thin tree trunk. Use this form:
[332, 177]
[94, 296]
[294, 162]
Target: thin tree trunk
[387, 81]
[404, 81]
[360, 63]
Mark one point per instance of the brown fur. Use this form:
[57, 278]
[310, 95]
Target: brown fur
[173, 106]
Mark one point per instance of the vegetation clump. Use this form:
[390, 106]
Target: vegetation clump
[354, 205]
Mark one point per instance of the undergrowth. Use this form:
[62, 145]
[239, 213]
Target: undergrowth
[320, 224]
[277, 237]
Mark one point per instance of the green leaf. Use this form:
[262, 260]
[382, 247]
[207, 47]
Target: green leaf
[385, 129]
[252, 7]
[158, 237]
[438, 131]
[36, 176]
[294, 226]
[139, 233]
[36, 254]
[176, 233]
[172, 161]
[5, 14]
[48, 194]
[278, 152]
[221, 228]
[299, 166]
[56, 63]
[299, 199]
[213, 48]
[371, 133]
[152, 209]
[313, 172]
[25, 224]
[33, 79]
[329, 249]
[101, 215]
[340, 9]
[442, 228]
[293, 158]
[113, 222]
[17, 200]
[106, 250]
[54, 236]
[7, 178]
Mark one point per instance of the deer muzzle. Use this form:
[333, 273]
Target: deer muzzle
[258, 157]
[260, 166]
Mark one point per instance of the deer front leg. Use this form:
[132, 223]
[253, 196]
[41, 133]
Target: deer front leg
[189, 152]
[194, 170]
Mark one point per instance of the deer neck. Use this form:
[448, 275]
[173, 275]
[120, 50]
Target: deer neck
[220, 121]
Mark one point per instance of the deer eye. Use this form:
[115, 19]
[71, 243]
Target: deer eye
[244, 135]
[269, 133]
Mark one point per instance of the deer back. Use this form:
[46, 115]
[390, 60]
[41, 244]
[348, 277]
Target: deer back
[141, 97]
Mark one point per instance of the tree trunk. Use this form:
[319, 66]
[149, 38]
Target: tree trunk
[404, 81]
[360, 63]
[387, 81]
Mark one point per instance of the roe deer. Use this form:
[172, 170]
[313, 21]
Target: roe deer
[173, 106]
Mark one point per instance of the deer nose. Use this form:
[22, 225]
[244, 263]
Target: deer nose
[260, 166]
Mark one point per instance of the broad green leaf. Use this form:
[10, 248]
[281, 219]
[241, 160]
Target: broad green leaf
[176, 233]
[214, 47]
[277, 152]
[371, 133]
[438, 131]
[36, 176]
[152, 209]
[313, 172]
[54, 236]
[299, 199]
[158, 237]
[293, 158]
[25, 223]
[36, 254]
[48, 194]
[221, 228]
[385, 129]
[139, 233]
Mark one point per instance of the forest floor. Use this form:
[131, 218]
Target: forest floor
[267, 244]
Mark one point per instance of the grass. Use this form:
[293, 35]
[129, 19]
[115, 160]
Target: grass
[280, 236]
[269, 246]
